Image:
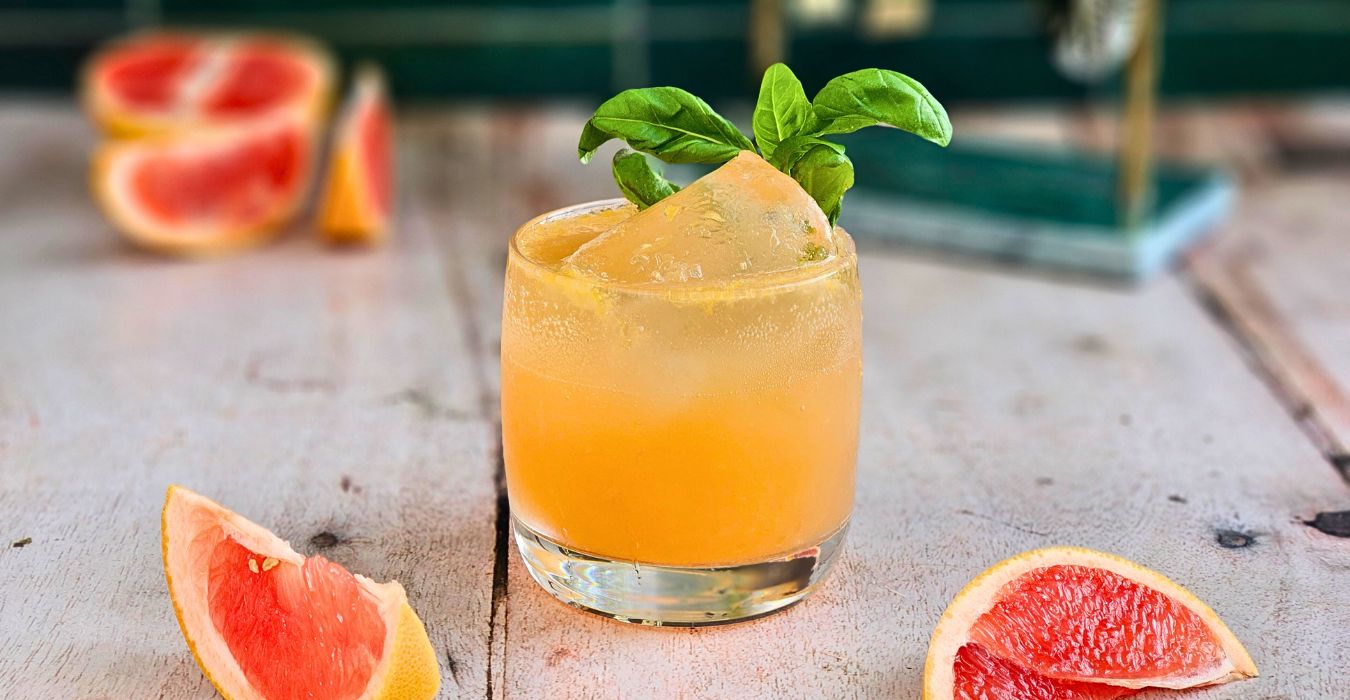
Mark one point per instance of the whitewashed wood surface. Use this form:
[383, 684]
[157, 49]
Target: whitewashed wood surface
[1283, 275]
[1003, 412]
[329, 396]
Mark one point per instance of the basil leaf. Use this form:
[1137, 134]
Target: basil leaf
[666, 122]
[782, 110]
[637, 180]
[794, 147]
[822, 169]
[874, 96]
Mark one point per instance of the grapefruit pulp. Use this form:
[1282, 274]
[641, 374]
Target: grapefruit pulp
[266, 623]
[359, 187]
[1070, 623]
[205, 192]
[164, 81]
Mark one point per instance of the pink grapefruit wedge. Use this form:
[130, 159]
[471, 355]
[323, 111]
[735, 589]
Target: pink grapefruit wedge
[358, 190]
[1066, 623]
[266, 623]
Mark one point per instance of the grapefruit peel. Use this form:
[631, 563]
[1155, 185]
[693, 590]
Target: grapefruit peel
[982, 593]
[409, 669]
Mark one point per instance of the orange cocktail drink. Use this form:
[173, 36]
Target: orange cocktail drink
[680, 394]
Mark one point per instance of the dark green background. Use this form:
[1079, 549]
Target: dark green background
[973, 50]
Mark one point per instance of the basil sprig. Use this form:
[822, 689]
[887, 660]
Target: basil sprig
[678, 127]
[874, 96]
[666, 122]
[782, 110]
[641, 184]
[820, 167]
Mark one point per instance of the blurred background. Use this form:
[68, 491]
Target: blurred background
[965, 50]
[1240, 87]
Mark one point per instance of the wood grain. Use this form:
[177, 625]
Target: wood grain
[330, 396]
[1281, 274]
[1001, 413]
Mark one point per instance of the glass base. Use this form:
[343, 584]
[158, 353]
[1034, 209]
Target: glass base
[653, 595]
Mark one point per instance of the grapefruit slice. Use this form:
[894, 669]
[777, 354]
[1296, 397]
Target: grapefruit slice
[205, 192]
[265, 623]
[163, 81]
[1072, 623]
[359, 187]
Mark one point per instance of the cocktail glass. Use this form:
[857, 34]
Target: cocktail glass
[677, 454]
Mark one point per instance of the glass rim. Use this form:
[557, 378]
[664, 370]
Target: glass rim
[752, 285]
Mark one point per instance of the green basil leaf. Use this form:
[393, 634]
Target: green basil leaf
[794, 147]
[782, 110]
[637, 180]
[874, 96]
[667, 122]
[822, 170]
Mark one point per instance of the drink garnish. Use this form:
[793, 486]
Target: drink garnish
[678, 127]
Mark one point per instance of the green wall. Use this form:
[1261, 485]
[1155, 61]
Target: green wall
[972, 50]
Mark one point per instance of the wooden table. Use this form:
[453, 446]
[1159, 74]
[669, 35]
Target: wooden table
[348, 400]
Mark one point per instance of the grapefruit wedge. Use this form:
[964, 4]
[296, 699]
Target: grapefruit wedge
[265, 623]
[165, 81]
[206, 192]
[1066, 623]
[359, 187]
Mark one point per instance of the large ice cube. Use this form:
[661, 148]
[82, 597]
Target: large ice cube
[550, 239]
[745, 218]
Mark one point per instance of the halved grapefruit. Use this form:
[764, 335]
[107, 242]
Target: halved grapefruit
[1071, 623]
[163, 81]
[359, 187]
[208, 191]
[265, 623]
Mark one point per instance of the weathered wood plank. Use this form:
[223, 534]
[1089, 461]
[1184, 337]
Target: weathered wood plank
[1001, 413]
[501, 169]
[1281, 272]
[314, 391]
[1278, 270]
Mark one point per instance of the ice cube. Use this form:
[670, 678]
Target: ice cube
[745, 218]
[551, 238]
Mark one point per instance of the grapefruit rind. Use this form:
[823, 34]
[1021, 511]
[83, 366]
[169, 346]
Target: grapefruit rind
[978, 596]
[109, 180]
[121, 121]
[343, 210]
[413, 672]
[348, 212]
[408, 671]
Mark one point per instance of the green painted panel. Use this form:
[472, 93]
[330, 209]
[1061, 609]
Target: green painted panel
[41, 69]
[61, 4]
[178, 7]
[420, 73]
[972, 50]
